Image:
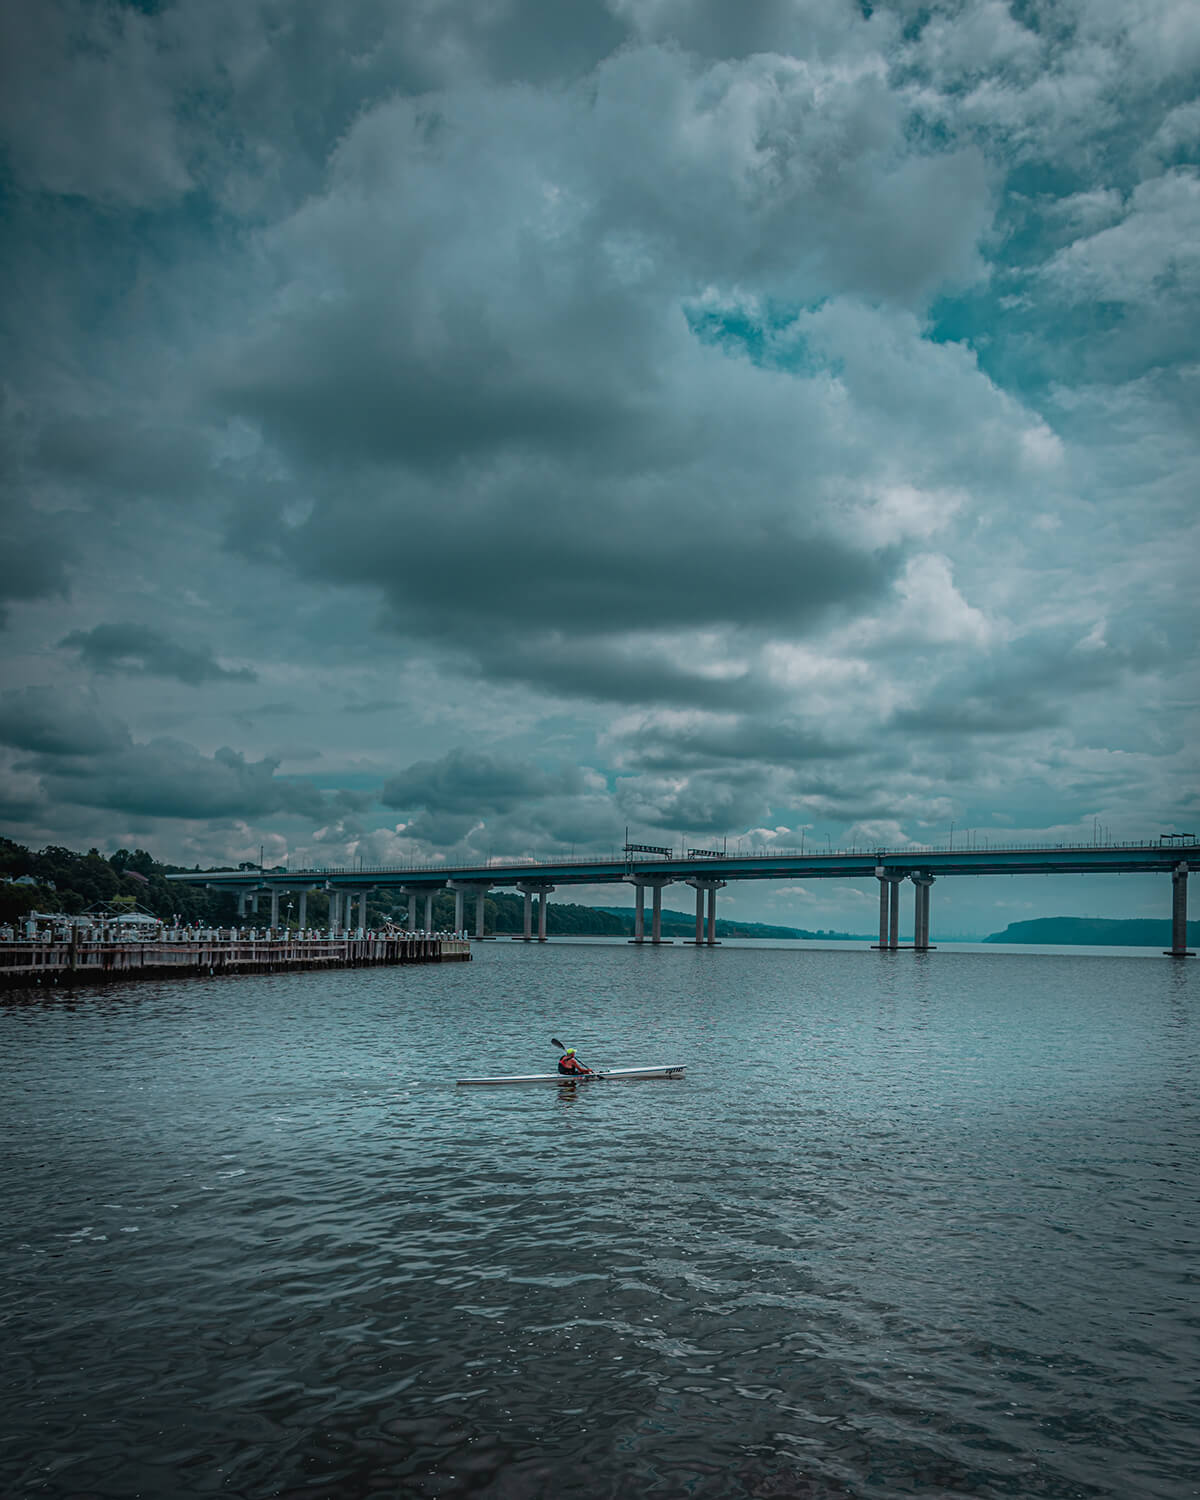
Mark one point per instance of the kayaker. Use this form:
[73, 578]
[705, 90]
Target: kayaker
[569, 1063]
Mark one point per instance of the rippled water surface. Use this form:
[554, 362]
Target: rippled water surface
[910, 1225]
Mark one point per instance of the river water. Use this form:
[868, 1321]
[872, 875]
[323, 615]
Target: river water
[910, 1225]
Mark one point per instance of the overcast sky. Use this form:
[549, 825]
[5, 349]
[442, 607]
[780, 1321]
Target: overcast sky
[439, 429]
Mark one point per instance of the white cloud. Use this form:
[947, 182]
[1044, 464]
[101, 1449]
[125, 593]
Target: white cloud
[1154, 249]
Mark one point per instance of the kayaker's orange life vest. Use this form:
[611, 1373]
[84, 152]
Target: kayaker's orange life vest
[570, 1065]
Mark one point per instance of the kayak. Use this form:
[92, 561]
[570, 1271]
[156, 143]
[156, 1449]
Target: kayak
[630, 1074]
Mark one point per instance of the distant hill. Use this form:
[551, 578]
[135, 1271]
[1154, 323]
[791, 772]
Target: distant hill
[1131, 932]
[683, 924]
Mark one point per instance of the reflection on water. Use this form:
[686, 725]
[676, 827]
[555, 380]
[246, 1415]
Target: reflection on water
[912, 1224]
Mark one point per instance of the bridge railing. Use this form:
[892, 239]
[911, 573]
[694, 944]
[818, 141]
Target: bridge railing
[621, 862]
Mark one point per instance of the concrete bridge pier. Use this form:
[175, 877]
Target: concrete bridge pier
[710, 887]
[542, 891]
[463, 889]
[656, 884]
[274, 908]
[242, 895]
[711, 935]
[1179, 947]
[407, 893]
[335, 910]
[543, 904]
[921, 884]
[889, 908]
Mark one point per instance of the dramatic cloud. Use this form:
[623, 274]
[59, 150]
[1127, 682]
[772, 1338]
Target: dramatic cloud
[45, 721]
[71, 753]
[136, 648]
[167, 779]
[771, 420]
[31, 567]
[473, 782]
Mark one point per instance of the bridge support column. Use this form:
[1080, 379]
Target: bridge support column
[706, 933]
[889, 908]
[921, 885]
[1179, 947]
[241, 904]
[412, 911]
[335, 911]
[274, 908]
[362, 911]
[530, 889]
[656, 883]
[480, 897]
[458, 908]
[428, 911]
[303, 916]
[254, 902]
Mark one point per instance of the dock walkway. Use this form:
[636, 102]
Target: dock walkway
[60, 961]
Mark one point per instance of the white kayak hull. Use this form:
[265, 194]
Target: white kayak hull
[616, 1074]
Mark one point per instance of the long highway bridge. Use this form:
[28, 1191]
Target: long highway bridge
[707, 871]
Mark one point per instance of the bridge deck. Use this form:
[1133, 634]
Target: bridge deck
[849, 864]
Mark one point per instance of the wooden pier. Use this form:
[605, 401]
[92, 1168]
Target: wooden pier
[24, 962]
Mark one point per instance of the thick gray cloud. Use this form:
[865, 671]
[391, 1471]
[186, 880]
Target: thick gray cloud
[474, 782]
[31, 567]
[507, 319]
[166, 778]
[1030, 687]
[73, 753]
[169, 779]
[138, 648]
[697, 741]
[49, 722]
[482, 804]
[704, 803]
